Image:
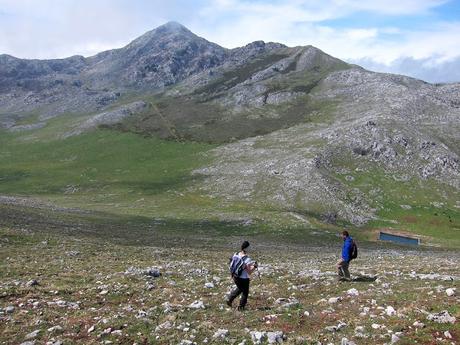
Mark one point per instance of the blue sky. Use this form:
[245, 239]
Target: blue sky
[416, 37]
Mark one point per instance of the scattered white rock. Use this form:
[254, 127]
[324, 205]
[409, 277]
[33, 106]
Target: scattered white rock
[9, 309]
[32, 282]
[353, 292]
[390, 311]
[149, 271]
[337, 328]
[164, 325]
[60, 303]
[141, 314]
[257, 337]
[377, 326]
[270, 318]
[394, 338]
[275, 337]
[441, 317]
[418, 324]
[107, 330]
[450, 292]
[359, 329]
[334, 300]
[209, 285]
[33, 335]
[287, 302]
[434, 276]
[186, 342]
[65, 304]
[55, 342]
[345, 341]
[196, 305]
[271, 337]
[447, 335]
[91, 329]
[221, 334]
[365, 311]
[55, 329]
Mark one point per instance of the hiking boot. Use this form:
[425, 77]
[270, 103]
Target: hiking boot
[228, 302]
[240, 308]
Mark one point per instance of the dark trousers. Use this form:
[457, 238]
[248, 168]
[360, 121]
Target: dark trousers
[343, 270]
[242, 287]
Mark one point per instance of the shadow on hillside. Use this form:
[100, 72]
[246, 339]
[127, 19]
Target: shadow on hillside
[365, 279]
[122, 229]
[158, 232]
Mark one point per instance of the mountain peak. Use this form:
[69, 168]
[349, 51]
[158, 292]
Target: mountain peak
[170, 30]
[172, 26]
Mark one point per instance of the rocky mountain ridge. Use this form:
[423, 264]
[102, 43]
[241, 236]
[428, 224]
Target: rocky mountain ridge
[157, 59]
[303, 132]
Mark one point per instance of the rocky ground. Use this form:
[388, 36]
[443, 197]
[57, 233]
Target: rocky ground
[66, 290]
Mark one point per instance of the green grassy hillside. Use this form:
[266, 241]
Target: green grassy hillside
[126, 175]
[102, 169]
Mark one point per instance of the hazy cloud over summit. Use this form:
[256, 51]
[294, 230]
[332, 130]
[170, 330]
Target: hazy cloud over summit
[426, 69]
[415, 37]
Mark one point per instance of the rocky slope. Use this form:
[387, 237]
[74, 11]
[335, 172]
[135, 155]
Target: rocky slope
[82, 291]
[383, 127]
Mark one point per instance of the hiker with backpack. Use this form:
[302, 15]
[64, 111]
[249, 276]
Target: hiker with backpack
[349, 252]
[241, 267]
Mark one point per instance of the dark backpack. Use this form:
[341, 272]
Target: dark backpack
[237, 265]
[353, 251]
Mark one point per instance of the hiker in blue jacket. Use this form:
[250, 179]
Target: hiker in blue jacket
[344, 262]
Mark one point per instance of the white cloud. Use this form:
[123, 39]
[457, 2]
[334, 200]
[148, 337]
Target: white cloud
[313, 10]
[361, 34]
[382, 44]
[426, 69]
[393, 7]
[59, 28]
[442, 42]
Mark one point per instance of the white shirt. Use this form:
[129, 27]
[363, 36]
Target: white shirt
[247, 260]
